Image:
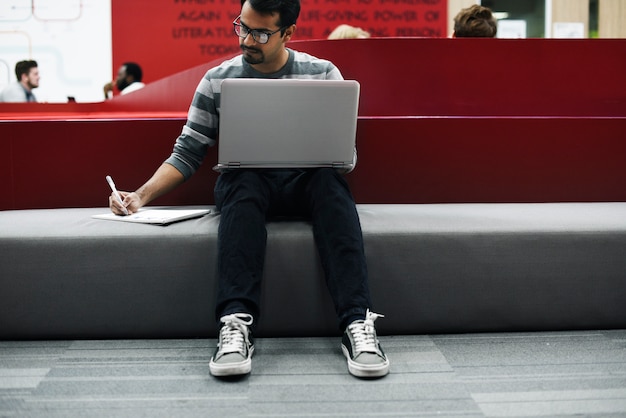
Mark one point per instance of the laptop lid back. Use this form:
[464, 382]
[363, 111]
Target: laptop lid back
[287, 123]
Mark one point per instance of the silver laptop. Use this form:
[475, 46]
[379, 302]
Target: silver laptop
[291, 123]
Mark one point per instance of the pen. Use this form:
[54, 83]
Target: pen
[116, 194]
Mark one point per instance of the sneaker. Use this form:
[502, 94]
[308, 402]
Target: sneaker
[361, 347]
[234, 348]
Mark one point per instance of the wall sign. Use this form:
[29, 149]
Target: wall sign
[178, 34]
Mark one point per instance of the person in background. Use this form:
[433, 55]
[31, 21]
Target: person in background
[348, 32]
[128, 80]
[247, 197]
[475, 22]
[27, 73]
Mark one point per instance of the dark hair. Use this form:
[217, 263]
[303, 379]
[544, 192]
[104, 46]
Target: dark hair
[288, 10]
[133, 69]
[475, 22]
[23, 67]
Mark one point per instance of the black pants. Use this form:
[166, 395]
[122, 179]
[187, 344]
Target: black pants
[247, 198]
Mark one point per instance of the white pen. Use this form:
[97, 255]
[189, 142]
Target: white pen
[116, 194]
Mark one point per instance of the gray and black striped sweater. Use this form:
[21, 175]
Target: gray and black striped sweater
[201, 128]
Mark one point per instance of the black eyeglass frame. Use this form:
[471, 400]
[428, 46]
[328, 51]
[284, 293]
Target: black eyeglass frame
[240, 28]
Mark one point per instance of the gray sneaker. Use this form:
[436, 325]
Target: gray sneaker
[234, 348]
[361, 347]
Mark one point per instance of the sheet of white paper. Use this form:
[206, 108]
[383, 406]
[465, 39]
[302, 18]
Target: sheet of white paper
[156, 216]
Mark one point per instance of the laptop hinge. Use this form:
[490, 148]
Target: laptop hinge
[234, 165]
[339, 164]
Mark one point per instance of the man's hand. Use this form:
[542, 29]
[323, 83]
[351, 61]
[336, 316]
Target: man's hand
[108, 90]
[166, 178]
[131, 201]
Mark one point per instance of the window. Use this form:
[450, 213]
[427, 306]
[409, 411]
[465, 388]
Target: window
[531, 12]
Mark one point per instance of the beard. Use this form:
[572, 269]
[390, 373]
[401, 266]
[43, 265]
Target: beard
[252, 55]
[122, 84]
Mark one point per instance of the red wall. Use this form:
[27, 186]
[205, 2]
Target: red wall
[533, 120]
[168, 36]
[482, 77]
[52, 164]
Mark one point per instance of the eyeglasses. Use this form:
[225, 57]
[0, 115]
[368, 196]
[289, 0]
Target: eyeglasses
[259, 36]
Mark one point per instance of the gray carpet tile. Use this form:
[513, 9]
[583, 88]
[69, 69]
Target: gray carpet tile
[547, 374]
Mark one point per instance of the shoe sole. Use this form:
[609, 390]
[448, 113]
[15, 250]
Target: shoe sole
[365, 370]
[231, 369]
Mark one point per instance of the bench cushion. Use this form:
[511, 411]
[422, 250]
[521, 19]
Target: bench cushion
[436, 268]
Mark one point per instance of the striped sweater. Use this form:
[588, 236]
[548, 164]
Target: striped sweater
[201, 129]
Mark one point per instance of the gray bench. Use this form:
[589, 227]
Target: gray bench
[433, 269]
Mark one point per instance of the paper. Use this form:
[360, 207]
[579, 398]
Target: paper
[511, 29]
[156, 216]
[574, 30]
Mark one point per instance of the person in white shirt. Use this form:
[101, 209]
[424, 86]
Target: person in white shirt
[128, 80]
[27, 73]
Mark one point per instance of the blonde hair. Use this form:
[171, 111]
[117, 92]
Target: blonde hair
[348, 32]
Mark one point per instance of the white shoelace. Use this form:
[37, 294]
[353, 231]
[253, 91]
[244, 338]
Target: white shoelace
[364, 333]
[234, 333]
